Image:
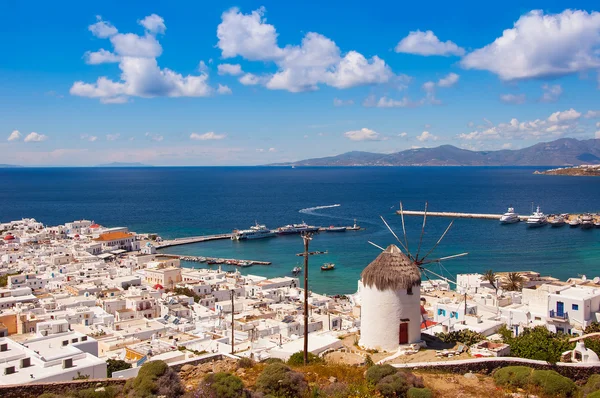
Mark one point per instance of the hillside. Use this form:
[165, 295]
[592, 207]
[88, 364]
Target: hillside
[562, 152]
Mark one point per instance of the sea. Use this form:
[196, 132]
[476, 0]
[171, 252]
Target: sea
[189, 201]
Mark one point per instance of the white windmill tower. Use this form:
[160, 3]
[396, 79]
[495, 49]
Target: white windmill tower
[390, 294]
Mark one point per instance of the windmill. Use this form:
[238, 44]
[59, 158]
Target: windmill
[390, 309]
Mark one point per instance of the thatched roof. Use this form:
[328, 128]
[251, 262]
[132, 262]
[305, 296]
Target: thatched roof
[392, 269]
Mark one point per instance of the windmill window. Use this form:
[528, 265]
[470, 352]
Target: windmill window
[409, 291]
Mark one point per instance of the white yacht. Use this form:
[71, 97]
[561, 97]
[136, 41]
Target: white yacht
[575, 222]
[537, 219]
[587, 221]
[510, 217]
[255, 232]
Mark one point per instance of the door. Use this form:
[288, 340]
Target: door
[560, 308]
[403, 336]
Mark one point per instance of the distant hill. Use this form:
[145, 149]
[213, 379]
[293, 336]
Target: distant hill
[562, 152]
[121, 164]
[10, 166]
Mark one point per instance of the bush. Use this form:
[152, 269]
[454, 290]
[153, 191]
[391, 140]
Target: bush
[245, 363]
[114, 365]
[377, 372]
[225, 385]
[394, 385]
[594, 395]
[108, 392]
[538, 343]
[155, 378]
[279, 380]
[272, 360]
[592, 385]
[553, 384]
[465, 336]
[369, 362]
[419, 393]
[48, 395]
[513, 376]
[297, 359]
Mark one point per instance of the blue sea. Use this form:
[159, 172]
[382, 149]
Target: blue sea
[177, 202]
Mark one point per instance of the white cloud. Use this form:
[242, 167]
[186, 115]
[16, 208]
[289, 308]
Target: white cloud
[450, 80]
[551, 93]
[229, 69]
[592, 114]
[207, 136]
[427, 136]
[112, 137]
[598, 124]
[506, 145]
[14, 136]
[556, 125]
[363, 134]
[100, 57]
[272, 150]
[102, 29]
[542, 46]
[35, 137]
[154, 137]
[597, 135]
[427, 43]
[260, 150]
[140, 74]
[88, 137]
[221, 89]
[386, 102]
[403, 134]
[513, 98]
[317, 60]
[341, 102]
[154, 24]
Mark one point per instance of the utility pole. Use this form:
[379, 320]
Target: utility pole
[232, 320]
[465, 317]
[307, 237]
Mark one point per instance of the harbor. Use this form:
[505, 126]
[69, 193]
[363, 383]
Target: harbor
[219, 261]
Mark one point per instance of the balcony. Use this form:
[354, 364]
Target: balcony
[555, 315]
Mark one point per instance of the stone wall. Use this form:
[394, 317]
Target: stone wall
[34, 390]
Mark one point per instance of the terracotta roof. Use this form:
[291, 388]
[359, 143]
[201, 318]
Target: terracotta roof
[113, 236]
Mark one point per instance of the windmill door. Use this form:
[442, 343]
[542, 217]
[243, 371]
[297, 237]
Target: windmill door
[403, 335]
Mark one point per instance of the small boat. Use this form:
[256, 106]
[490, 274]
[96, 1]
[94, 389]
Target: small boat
[597, 224]
[335, 229]
[587, 221]
[537, 219]
[354, 227]
[245, 264]
[296, 270]
[510, 217]
[328, 267]
[557, 221]
[574, 223]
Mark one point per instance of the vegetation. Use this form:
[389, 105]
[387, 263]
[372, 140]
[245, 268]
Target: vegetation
[114, 365]
[280, 381]
[514, 282]
[81, 377]
[297, 359]
[4, 278]
[369, 362]
[465, 336]
[104, 392]
[553, 384]
[187, 292]
[155, 378]
[491, 277]
[393, 386]
[415, 392]
[594, 327]
[591, 386]
[245, 363]
[224, 385]
[536, 343]
[513, 376]
[377, 372]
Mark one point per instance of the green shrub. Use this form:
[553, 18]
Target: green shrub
[155, 378]
[272, 360]
[225, 385]
[538, 343]
[377, 372]
[465, 336]
[114, 365]
[245, 363]
[48, 395]
[592, 385]
[415, 392]
[369, 362]
[513, 376]
[297, 359]
[595, 394]
[393, 385]
[108, 392]
[553, 384]
[279, 380]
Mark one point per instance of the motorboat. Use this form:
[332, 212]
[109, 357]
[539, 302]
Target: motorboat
[587, 221]
[574, 223]
[296, 270]
[256, 231]
[296, 229]
[335, 229]
[510, 217]
[597, 224]
[354, 227]
[558, 221]
[328, 267]
[537, 219]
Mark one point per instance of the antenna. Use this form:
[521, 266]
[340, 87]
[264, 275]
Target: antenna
[422, 232]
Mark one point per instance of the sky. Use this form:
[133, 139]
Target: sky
[254, 82]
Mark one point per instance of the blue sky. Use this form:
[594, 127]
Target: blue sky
[218, 83]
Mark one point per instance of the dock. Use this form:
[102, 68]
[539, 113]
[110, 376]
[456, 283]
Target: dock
[220, 261]
[455, 215]
[191, 239]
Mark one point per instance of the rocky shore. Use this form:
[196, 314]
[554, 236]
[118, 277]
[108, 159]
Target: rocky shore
[583, 170]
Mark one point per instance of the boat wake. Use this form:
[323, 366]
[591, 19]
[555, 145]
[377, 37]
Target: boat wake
[311, 210]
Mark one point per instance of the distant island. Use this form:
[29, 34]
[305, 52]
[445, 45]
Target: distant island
[123, 164]
[10, 166]
[583, 170]
[562, 152]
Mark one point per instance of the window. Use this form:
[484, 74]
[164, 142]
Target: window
[454, 314]
[409, 291]
[575, 307]
[65, 342]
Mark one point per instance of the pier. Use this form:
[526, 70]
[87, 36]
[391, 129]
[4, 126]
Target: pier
[191, 239]
[221, 261]
[455, 215]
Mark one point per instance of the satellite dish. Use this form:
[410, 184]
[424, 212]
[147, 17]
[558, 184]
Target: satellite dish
[597, 280]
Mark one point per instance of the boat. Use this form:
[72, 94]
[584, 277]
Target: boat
[296, 229]
[335, 229]
[510, 217]
[597, 224]
[328, 267]
[256, 231]
[587, 221]
[558, 221]
[537, 219]
[244, 264]
[354, 227]
[296, 270]
[574, 222]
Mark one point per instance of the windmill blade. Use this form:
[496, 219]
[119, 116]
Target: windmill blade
[404, 229]
[377, 246]
[395, 236]
[439, 276]
[439, 240]
[437, 260]
[422, 233]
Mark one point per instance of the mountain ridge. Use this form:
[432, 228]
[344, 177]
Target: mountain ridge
[561, 152]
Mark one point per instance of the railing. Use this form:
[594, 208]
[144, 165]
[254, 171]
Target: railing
[556, 315]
